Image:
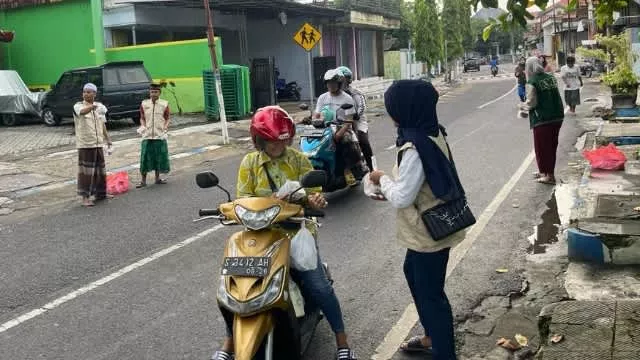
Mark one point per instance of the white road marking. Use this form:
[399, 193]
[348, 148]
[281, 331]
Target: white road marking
[96, 284]
[409, 318]
[498, 99]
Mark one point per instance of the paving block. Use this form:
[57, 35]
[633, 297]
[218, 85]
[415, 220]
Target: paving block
[555, 354]
[626, 355]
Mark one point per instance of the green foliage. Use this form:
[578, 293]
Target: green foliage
[517, 13]
[622, 78]
[407, 26]
[453, 24]
[427, 35]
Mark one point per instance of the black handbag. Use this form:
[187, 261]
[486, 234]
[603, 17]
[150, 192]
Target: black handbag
[450, 217]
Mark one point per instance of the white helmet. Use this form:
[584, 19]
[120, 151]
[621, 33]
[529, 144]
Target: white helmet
[333, 75]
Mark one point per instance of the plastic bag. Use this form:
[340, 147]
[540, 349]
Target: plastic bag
[288, 188]
[118, 183]
[371, 190]
[304, 254]
[606, 158]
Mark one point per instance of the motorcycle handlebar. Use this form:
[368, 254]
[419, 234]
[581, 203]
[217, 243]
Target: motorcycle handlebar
[313, 213]
[209, 212]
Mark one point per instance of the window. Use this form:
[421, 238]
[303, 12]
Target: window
[111, 77]
[125, 75]
[95, 77]
[133, 75]
[72, 82]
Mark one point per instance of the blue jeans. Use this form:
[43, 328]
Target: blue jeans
[425, 273]
[522, 92]
[317, 292]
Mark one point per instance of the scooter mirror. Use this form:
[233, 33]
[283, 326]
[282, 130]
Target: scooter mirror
[346, 106]
[207, 180]
[314, 178]
[304, 107]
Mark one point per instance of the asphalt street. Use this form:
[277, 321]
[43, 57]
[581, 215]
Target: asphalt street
[164, 307]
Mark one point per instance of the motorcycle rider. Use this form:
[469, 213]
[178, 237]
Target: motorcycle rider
[362, 126]
[335, 97]
[494, 65]
[274, 161]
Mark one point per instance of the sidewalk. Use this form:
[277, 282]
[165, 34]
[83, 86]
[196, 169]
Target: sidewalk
[581, 330]
[603, 321]
[38, 180]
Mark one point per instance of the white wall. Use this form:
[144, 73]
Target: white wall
[269, 38]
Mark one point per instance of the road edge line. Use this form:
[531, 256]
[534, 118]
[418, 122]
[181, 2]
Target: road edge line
[409, 318]
[96, 284]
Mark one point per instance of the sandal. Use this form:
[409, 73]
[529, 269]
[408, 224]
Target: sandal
[346, 354]
[141, 185]
[106, 197]
[414, 346]
[222, 355]
[547, 180]
[88, 203]
[537, 175]
[161, 181]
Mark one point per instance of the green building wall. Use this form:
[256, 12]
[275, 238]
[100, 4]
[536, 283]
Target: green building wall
[49, 39]
[180, 62]
[53, 38]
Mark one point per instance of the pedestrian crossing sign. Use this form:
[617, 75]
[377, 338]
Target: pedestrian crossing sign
[307, 37]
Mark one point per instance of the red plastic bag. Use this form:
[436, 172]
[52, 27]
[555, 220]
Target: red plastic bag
[118, 183]
[606, 158]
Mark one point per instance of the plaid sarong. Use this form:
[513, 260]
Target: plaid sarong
[92, 175]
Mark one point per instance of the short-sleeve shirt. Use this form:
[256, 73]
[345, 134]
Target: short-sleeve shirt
[253, 181]
[335, 101]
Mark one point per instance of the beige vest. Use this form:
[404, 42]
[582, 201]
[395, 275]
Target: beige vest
[411, 231]
[154, 117]
[89, 129]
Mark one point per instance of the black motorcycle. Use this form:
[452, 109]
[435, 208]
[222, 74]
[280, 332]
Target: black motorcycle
[286, 90]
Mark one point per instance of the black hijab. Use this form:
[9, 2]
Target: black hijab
[412, 104]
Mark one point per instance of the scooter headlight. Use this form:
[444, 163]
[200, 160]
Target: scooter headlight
[266, 298]
[257, 220]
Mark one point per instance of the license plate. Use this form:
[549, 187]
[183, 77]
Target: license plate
[246, 266]
[314, 133]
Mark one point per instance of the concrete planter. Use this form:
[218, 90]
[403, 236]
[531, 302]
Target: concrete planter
[624, 101]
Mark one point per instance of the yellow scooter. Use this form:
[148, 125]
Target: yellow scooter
[271, 320]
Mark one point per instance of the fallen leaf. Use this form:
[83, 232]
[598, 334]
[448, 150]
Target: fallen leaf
[502, 271]
[507, 344]
[522, 340]
[556, 338]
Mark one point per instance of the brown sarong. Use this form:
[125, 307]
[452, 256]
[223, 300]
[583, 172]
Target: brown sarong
[92, 175]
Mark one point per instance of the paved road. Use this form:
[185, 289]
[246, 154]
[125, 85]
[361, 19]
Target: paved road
[166, 309]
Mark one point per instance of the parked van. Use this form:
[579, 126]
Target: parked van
[121, 88]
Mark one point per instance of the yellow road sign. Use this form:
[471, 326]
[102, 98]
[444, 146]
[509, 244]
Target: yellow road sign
[307, 37]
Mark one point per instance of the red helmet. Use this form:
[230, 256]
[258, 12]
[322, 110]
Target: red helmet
[272, 123]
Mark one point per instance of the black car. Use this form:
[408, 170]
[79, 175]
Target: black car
[121, 88]
[471, 64]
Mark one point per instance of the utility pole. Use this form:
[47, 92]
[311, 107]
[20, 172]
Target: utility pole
[216, 71]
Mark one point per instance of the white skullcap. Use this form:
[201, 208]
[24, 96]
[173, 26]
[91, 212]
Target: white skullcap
[90, 86]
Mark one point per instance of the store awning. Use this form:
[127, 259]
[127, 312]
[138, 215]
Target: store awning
[253, 8]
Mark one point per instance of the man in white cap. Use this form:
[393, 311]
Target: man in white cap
[89, 117]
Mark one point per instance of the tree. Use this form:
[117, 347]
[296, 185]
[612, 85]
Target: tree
[452, 23]
[407, 23]
[467, 35]
[517, 13]
[427, 35]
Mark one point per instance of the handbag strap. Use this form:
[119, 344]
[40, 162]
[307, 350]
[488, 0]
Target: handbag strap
[272, 184]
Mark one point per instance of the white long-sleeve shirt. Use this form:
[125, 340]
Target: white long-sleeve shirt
[403, 192]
